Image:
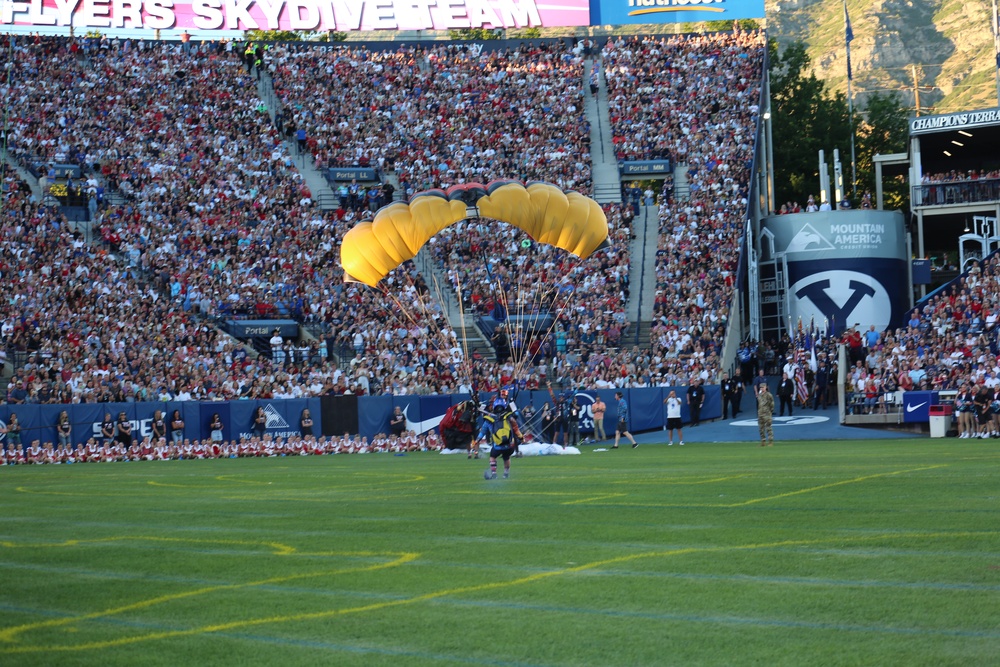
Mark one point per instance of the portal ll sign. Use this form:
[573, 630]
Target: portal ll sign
[341, 15]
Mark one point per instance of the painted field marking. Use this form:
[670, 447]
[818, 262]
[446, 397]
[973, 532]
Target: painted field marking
[831, 485]
[434, 595]
[754, 501]
[397, 478]
[595, 498]
[683, 481]
[277, 549]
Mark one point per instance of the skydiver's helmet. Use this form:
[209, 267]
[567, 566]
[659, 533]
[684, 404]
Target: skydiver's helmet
[500, 402]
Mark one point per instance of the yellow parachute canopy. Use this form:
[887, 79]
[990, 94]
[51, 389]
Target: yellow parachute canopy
[370, 250]
[572, 222]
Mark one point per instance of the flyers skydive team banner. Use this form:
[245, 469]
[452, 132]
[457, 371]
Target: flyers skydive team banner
[352, 15]
[340, 15]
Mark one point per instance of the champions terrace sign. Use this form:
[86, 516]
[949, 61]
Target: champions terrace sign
[340, 15]
[955, 121]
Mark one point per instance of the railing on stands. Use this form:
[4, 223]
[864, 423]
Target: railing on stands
[33, 164]
[608, 192]
[956, 192]
[734, 330]
[947, 286]
[642, 270]
[317, 330]
[327, 201]
[731, 343]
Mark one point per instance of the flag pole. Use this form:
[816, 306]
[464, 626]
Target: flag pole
[849, 36]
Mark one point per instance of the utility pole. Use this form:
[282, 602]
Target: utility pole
[996, 46]
[916, 89]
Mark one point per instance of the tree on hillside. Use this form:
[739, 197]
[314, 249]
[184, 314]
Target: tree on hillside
[883, 130]
[807, 119]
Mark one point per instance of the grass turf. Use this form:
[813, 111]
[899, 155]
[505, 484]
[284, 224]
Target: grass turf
[841, 553]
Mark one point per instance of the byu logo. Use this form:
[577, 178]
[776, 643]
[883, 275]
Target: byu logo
[843, 297]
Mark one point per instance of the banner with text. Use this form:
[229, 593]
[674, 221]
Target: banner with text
[619, 12]
[845, 268]
[340, 15]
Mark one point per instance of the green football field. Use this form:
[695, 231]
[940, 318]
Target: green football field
[839, 553]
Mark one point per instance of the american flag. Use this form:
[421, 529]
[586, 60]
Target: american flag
[800, 385]
[848, 38]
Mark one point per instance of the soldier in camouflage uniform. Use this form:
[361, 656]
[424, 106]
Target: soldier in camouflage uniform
[765, 414]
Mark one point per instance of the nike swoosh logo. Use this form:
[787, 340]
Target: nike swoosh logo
[421, 426]
[911, 408]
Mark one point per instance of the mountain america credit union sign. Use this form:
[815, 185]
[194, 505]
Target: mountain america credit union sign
[341, 15]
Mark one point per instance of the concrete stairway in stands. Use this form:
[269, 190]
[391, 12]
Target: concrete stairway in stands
[318, 185]
[607, 181]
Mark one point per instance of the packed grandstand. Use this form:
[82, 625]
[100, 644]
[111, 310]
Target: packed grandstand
[199, 213]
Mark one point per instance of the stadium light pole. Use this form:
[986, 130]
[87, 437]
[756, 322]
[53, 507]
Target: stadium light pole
[769, 146]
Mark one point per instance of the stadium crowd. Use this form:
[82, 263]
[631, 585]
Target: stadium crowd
[441, 115]
[215, 221]
[529, 100]
[692, 99]
[951, 343]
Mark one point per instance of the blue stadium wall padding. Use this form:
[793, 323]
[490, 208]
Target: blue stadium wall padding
[646, 412]
[373, 414]
[39, 421]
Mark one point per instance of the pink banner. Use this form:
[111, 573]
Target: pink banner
[340, 15]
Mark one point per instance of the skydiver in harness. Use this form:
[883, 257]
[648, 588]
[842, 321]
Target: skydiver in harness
[501, 430]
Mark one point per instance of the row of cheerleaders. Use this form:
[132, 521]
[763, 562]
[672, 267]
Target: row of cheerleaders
[267, 447]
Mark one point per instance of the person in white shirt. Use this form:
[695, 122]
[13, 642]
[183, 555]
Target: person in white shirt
[277, 353]
[674, 417]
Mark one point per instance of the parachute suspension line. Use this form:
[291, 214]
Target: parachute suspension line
[434, 330]
[461, 365]
[525, 309]
[537, 303]
[519, 364]
[436, 339]
[391, 297]
[434, 327]
[539, 299]
[467, 362]
[555, 319]
[501, 297]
